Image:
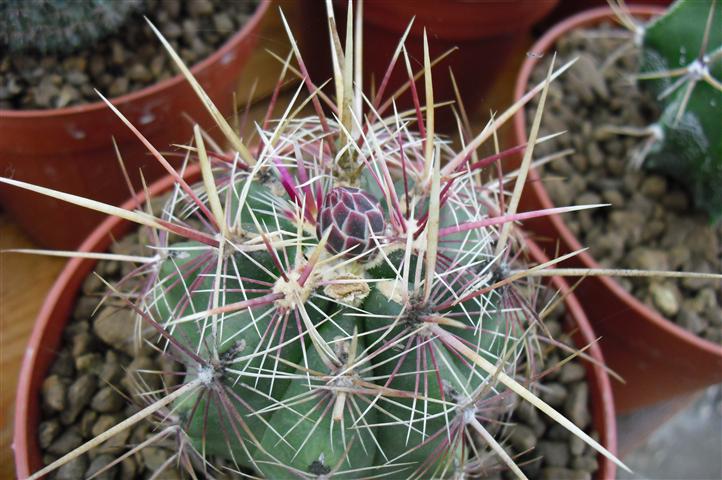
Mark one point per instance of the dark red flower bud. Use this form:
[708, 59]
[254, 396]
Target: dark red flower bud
[354, 217]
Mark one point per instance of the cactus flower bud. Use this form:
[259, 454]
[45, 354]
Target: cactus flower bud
[354, 217]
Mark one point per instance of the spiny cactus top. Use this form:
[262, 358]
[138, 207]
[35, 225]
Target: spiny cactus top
[682, 65]
[348, 299]
[59, 25]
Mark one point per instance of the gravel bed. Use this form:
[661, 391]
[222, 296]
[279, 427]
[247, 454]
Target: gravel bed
[652, 223]
[126, 61]
[92, 385]
[542, 448]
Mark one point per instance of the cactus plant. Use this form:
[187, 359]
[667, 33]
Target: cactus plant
[681, 64]
[348, 299]
[59, 25]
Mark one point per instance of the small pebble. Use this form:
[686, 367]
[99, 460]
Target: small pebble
[664, 299]
[74, 469]
[107, 400]
[53, 391]
[555, 454]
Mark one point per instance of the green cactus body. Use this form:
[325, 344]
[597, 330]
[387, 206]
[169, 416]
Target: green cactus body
[309, 437]
[60, 25]
[690, 148]
[243, 334]
[302, 407]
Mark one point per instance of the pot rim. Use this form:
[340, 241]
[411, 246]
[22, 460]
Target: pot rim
[153, 89]
[588, 18]
[98, 241]
[463, 21]
[603, 412]
[596, 375]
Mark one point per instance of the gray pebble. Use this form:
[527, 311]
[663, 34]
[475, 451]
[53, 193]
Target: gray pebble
[572, 372]
[561, 192]
[111, 371]
[79, 394]
[691, 321]
[105, 422]
[154, 457]
[576, 405]
[81, 343]
[555, 454]
[116, 326]
[587, 464]
[69, 440]
[665, 299]
[648, 259]
[53, 392]
[555, 473]
[223, 23]
[74, 469]
[64, 365]
[553, 394]
[613, 197]
[522, 438]
[92, 284]
[89, 363]
[100, 462]
[128, 468]
[576, 445]
[654, 186]
[87, 420]
[199, 7]
[107, 400]
[47, 432]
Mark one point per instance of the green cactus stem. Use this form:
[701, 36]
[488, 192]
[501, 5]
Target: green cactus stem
[682, 60]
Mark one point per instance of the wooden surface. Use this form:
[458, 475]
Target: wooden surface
[24, 281]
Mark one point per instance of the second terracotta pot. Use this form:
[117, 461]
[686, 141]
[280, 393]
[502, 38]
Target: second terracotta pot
[71, 149]
[658, 359]
[483, 32]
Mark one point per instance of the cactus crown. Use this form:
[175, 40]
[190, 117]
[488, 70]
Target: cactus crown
[682, 65]
[59, 25]
[348, 299]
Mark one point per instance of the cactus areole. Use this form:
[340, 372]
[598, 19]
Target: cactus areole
[353, 219]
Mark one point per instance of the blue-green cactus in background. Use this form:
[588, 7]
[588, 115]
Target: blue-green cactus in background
[59, 25]
[682, 65]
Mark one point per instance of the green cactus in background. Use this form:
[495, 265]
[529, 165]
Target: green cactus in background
[682, 65]
[59, 25]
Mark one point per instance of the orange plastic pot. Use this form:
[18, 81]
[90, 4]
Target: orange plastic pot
[57, 309]
[485, 32]
[71, 150]
[658, 359]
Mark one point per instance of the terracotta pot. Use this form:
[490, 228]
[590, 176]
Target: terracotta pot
[658, 359]
[70, 149]
[54, 315]
[57, 309]
[567, 8]
[600, 387]
[485, 32]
